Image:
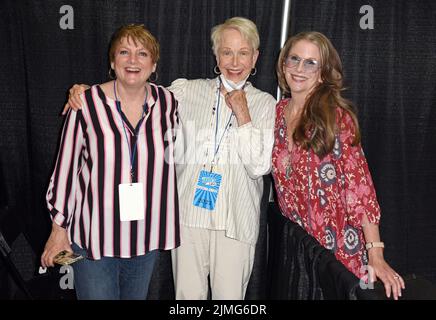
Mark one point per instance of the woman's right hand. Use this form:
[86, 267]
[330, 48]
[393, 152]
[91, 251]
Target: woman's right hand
[74, 101]
[57, 242]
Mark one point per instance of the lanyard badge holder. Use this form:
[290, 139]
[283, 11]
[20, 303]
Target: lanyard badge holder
[209, 182]
[131, 195]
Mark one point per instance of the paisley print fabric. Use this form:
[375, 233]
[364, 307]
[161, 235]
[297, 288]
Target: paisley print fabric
[329, 196]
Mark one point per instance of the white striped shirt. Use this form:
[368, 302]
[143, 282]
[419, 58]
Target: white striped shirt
[244, 157]
[94, 158]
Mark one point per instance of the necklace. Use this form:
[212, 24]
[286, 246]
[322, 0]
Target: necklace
[287, 121]
[291, 119]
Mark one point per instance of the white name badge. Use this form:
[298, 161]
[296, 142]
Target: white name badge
[131, 196]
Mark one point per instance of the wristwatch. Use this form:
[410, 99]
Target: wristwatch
[370, 245]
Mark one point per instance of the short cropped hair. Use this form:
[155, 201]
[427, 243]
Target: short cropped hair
[246, 27]
[135, 32]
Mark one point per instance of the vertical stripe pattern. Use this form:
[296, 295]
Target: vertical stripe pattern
[94, 159]
[244, 156]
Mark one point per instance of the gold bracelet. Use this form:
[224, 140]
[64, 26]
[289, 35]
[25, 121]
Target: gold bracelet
[370, 245]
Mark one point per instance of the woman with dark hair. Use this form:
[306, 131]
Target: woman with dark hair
[320, 172]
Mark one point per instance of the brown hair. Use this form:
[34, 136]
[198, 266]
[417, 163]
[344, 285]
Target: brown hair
[136, 32]
[319, 114]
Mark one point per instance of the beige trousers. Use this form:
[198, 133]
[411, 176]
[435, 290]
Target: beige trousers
[206, 252]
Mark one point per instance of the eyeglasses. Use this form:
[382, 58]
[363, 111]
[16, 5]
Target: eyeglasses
[309, 65]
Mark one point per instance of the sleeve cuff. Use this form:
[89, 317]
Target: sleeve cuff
[245, 126]
[59, 218]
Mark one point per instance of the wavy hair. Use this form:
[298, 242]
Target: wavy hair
[319, 113]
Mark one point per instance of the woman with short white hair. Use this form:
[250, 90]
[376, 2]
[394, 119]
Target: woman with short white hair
[223, 151]
[220, 226]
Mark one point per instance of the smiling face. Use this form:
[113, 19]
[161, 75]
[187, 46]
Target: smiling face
[300, 80]
[235, 56]
[133, 64]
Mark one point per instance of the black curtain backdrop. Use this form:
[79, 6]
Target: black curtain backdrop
[391, 75]
[390, 72]
[41, 61]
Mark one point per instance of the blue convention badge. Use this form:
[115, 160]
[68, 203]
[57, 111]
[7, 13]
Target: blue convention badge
[207, 190]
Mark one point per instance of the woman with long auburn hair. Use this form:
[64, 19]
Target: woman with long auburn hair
[320, 172]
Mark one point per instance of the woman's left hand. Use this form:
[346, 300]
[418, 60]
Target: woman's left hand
[379, 268]
[57, 242]
[237, 102]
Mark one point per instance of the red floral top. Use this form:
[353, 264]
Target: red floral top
[328, 197]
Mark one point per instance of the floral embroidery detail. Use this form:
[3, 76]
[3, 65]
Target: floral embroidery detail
[321, 196]
[340, 188]
[351, 240]
[330, 239]
[327, 173]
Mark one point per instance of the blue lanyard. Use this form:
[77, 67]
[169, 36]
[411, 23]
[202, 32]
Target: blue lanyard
[217, 147]
[228, 124]
[144, 111]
